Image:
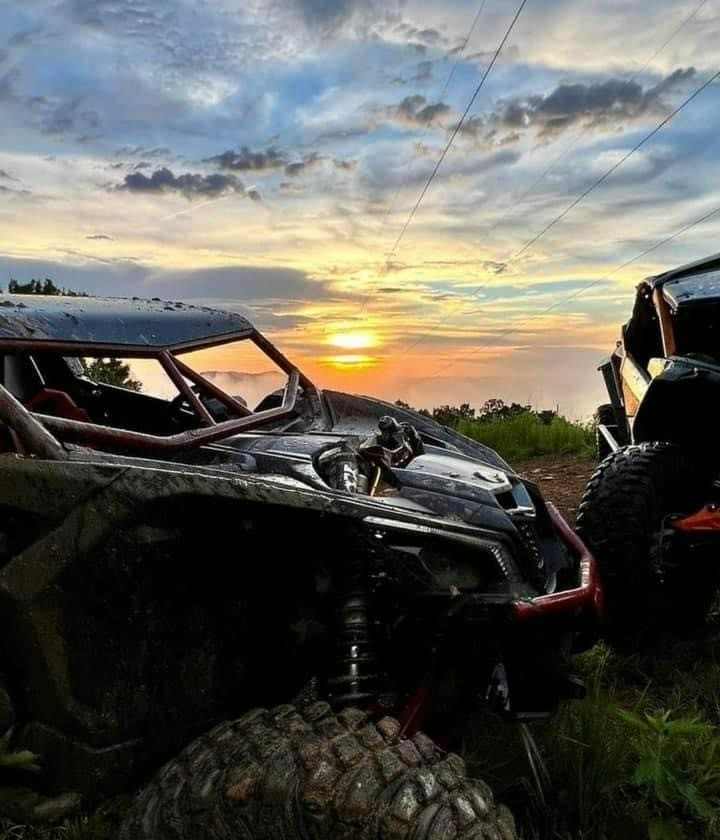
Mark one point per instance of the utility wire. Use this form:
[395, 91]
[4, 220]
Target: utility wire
[614, 167]
[584, 194]
[418, 145]
[583, 290]
[453, 135]
[578, 137]
[448, 81]
[457, 128]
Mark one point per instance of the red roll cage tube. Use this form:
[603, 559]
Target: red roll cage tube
[43, 435]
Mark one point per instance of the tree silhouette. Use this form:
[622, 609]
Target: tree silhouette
[111, 372]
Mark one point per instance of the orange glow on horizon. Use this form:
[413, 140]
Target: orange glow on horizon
[351, 361]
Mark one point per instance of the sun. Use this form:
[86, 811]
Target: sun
[353, 340]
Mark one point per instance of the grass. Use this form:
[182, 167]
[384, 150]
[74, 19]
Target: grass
[638, 759]
[525, 436]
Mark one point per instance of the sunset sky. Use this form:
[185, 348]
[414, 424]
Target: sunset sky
[264, 155]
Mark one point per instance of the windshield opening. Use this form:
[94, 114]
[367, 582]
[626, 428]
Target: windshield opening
[154, 393]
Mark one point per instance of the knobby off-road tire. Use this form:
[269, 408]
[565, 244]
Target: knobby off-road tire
[291, 774]
[621, 517]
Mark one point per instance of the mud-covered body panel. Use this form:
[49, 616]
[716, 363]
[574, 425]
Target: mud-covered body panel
[156, 578]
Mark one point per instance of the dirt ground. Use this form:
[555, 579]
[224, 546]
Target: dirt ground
[561, 478]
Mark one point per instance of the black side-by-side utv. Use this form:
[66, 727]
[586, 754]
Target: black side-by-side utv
[175, 552]
[651, 512]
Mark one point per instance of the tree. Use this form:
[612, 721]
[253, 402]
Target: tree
[497, 409]
[450, 415]
[41, 287]
[111, 372]
[408, 407]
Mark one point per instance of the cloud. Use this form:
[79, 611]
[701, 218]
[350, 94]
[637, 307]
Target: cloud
[8, 85]
[191, 185]
[599, 104]
[272, 158]
[416, 110]
[61, 118]
[6, 176]
[240, 283]
[246, 160]
[346, 165]
[310, 161]
[100, 236]
[143, 152]
[331, 15]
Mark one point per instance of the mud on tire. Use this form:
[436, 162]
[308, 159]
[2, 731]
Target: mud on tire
[313, 775]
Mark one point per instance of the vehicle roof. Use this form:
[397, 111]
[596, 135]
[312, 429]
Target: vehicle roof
[130, 322]
[695, 282]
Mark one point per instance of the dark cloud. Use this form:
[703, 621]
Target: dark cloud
[607, 103]
[118, 15]
[246, 160]
[241, 283]
[331, 15]
[272, 158]
[191, 185]
[231, 286]
[6, 176]
[8, 82]
[254, 195]
[416, 110]
[10, 191]
[99, 236]
[57, 117]
[299, 167]
[143, 152]
[416, 36]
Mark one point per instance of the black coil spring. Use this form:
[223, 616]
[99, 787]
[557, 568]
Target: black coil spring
[353, 680]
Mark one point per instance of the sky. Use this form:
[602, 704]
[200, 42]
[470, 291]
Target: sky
[265, 156]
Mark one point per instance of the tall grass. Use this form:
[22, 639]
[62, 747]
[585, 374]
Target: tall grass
[526, 435]
[638, 759]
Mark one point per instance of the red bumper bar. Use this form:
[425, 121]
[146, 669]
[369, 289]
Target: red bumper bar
[587, 597]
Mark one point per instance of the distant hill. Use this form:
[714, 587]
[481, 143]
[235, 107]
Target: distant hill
[252, 387]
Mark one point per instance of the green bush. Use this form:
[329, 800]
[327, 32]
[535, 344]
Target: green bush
[527, 434]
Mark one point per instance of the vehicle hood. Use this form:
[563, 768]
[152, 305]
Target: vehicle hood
[353, 414]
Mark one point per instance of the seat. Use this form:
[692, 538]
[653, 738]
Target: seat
[57, 403]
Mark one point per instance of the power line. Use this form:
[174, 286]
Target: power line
[566, 151]
[532, 241]
[614, 167]
[454, 133]
[448, 81]
[412, 160]
[584, 289]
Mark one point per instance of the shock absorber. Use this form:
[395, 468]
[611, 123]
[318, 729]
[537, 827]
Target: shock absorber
[353, 678]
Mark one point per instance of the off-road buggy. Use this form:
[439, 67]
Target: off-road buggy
[651, 512]
[168, 562]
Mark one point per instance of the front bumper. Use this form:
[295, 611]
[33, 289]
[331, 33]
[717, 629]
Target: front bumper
[586, 599]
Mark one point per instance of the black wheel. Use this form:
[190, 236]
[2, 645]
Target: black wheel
[604, 415]
[314, 775]
[623, 519]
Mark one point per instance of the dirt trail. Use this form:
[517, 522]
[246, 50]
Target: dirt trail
[561, 478]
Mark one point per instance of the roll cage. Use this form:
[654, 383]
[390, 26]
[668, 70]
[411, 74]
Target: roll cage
[68, 423]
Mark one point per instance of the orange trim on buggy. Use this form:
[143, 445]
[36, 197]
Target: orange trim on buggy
[706, 519]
